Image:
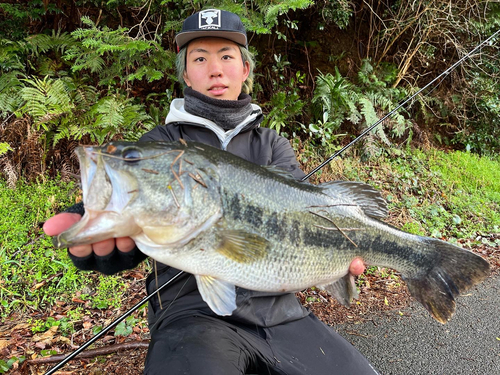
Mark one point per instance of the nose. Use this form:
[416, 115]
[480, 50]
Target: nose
[215, 68]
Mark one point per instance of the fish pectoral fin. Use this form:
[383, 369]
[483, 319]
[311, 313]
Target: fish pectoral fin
[241, 246]
[219, 295]
[343, 290]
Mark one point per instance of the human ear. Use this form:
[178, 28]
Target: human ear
[186, 79]
[246, 70]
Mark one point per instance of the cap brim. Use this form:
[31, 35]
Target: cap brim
[183, 38]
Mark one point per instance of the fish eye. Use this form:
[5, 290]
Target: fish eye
[131, 155]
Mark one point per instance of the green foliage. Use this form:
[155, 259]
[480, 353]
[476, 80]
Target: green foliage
[61, 103]
[435, 34]
[337, 100]
[125, 327]
[337, 12]
[16, 16]
[65, 326]
[108, 292]
[285, 105]
[261, 17]
[481, 131]
[114, 75]
[6, 366]
[4, 148]
[117, 57]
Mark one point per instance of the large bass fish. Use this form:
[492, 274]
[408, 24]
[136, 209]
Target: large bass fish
[233, 223]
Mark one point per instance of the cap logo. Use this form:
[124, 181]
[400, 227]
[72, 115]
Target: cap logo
[209, 19]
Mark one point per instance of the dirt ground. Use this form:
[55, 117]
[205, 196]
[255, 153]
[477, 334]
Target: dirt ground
[380, 291]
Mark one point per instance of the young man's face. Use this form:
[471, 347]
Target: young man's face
[214, 67]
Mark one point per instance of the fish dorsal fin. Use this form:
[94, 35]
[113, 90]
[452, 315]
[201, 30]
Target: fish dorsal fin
[280, 172]
[242, 246]
[219, 295]
[366, 197]
[343, 290]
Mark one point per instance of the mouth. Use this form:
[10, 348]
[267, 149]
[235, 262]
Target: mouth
[97, 187]
[217, 89]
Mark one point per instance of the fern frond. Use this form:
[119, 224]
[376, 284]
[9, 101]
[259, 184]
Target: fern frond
[45, 99]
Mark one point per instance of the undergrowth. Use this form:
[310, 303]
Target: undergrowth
[33, 274]
[448, 195]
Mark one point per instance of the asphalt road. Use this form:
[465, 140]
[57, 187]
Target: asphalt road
[416, 344]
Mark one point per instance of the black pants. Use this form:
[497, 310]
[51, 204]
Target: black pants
[202, 345]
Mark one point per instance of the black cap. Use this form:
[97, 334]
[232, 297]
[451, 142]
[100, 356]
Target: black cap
[212, 23]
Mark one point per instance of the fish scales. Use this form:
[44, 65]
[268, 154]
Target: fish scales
[232, 223]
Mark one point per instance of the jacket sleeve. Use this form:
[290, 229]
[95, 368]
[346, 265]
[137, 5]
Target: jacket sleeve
[284, 158]
[160, 133]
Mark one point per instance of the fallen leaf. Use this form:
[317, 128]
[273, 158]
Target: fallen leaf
[4, 344]
[64, 340]
[41, 345]
[21, 326]
[47, 336]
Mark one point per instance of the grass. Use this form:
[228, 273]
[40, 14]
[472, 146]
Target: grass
[439, 194]
[33, 274]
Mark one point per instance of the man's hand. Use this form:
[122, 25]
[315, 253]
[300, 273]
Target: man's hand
[357, 267]
[59, 223]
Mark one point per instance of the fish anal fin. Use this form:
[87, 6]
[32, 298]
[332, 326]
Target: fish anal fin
[219, 295]
[343, 290]
[242, 246]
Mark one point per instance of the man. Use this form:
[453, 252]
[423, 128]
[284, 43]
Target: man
[268, 332]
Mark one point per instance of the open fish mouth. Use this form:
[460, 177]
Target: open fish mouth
[106, 193]
[104, 188]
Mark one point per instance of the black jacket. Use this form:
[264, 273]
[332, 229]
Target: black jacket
[262, 146]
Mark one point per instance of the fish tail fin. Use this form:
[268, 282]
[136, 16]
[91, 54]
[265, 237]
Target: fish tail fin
[454, 271]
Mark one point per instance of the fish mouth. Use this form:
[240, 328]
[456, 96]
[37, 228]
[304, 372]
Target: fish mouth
[106, 193]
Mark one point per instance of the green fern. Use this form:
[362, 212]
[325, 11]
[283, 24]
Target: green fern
[111, 53]
[337, 100]
[45, 99]
[10, 98]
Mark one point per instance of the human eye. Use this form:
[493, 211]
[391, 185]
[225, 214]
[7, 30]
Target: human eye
[227, 57]
[199, 59]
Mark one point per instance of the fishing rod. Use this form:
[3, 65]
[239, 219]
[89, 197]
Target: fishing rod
[112, 325]
[336, 154]
[369, 129]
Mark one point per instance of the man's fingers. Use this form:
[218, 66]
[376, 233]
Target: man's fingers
[59, 223]
[81, 251]
[125, 244]
[105, 247]
[357, 266]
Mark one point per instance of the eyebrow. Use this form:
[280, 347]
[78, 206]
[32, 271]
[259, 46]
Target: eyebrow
[223, 49]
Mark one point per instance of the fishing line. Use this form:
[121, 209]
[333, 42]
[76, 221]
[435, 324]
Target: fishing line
[369, 129]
